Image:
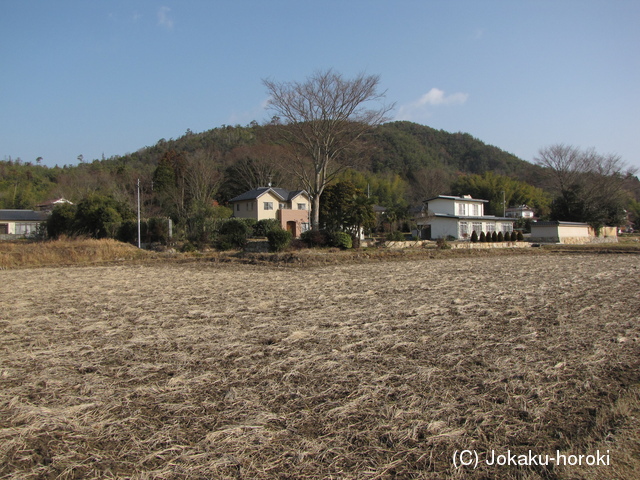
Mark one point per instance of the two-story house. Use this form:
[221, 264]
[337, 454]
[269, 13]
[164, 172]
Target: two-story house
[458, 217]
[291, 208]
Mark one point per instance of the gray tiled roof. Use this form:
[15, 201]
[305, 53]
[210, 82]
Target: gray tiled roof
[22, 216]
[256, 192]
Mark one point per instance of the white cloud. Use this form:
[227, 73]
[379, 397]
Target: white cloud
[164, 20]
[434, 97]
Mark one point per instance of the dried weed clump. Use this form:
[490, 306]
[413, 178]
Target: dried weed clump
[66, 252]
[370, 371]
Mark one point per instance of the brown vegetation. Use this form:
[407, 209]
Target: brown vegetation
[374, 370]
[66, 252]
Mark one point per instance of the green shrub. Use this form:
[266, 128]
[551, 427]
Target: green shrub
[494, 237]
[157, 230]
[233, 233]
[341, 240]
[512, 236]
[488, 238]
[315, 238]
[61, 220]
[442, 244]
[474, 237]
[483, 237]
[263, 227]
[128, 231]
[279, 239]
[396, 236]
[520, 237]
[188, 247]
[500, 237]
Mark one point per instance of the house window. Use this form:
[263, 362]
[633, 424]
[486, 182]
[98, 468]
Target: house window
[238, 207]
[302, 206]
[304, 227]
[268, 205]
[491, 227]
[464, 229]
[26, 228]
[476, 210]
[461, 209]
[507, 227]
[282, 206]
[477, 227]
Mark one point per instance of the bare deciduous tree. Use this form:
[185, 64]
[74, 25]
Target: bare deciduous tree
[202, 177]
[588, 185]
[257, 166]
[324, 117]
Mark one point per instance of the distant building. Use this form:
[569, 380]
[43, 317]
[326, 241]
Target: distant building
[49, 205]
[290, 208]
[458, 217]
[521, 211]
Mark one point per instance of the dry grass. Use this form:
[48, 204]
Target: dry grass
[376, 370]
[66, 252]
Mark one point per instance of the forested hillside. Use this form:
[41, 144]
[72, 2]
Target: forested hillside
[406, 149]
[398, 164]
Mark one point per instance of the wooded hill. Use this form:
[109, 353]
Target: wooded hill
[399, 164]
[405, 149]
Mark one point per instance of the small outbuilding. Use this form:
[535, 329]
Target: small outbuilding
[556, 231]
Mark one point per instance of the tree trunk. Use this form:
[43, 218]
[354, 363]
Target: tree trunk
[315, 213]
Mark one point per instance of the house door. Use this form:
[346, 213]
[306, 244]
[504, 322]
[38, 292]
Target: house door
[291, 227]
[4, 228]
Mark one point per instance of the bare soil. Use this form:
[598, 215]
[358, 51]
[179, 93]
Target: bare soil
[375, 370]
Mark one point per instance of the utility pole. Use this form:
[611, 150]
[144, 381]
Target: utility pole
[138, 213]
[504, 205]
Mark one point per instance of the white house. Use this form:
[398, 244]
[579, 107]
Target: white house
[290, 208]
[458, 217]
[20, 223]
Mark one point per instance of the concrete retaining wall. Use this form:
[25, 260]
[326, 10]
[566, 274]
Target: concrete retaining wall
[471, 245]
[574, 240]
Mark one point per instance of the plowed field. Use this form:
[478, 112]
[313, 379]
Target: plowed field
[380, 370]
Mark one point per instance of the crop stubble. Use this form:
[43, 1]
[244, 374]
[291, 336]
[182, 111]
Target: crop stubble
[375, 370]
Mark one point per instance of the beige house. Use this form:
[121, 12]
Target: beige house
[290, 208]
[458, 217]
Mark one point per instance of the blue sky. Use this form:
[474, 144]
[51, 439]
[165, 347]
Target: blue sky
[109, 77]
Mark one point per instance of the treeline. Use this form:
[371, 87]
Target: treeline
[399, 165]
